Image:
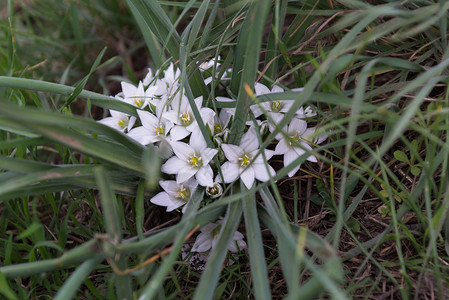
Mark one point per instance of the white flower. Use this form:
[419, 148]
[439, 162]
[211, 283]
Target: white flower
[225, 77]
[209, 64]
[119, 121]
[149, 78]
[154, 129]
[224, 117]
[276, 106]
[137, 96]
[182, 116]
[305, 113]
[175, 195]
[263, 125]
[296, 144]
[208, 237]
[169, 85]
[214, 191]
[191, 160]
[244, 163]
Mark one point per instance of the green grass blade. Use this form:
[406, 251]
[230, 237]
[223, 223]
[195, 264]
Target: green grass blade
[157, 21]
[210, 276]
[70, 258]
[187, 223]
[113, 228]
[105, 150]
[261, 286]
[42, 86]
[72, 285]
[246, 62]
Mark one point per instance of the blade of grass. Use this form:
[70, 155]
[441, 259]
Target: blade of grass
[187, 222]
[42, 86]
[113, 228]
[210, 276]
[72, 285]
[246, 62]
[261, 286]
[70, 258]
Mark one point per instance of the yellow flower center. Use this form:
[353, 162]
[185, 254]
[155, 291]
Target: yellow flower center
[217, 128]
[138, 102]
[212, 190]
[123, 123]
[196, 161]
[159, 130]
[276, 106]
[244, 160]
[293, 140]
[186, 118]
[182, 193]
[216, 231]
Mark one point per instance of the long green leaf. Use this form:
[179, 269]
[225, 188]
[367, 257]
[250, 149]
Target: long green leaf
[246, 63]
[210, 276]
[42, 86]
[261, 285]
[72, 285]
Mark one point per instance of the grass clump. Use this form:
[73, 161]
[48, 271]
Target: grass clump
[365, 217]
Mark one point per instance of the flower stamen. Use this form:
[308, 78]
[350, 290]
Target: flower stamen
[139, 102]
[182, 193]
[276, 106]
[195, 161]
[244, 160]
[217, 128]
[186, 118]
[159, 130]
[122, 123]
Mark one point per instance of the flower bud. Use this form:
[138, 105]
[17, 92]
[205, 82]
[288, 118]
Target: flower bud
[214, 191]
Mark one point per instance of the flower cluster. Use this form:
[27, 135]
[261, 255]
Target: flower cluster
[169, 120]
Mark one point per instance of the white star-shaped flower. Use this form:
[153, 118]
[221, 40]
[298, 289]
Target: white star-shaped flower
[182, 116]
[296, 143]
[137, 95]
[209, 64]
[169, 85]
[153, 129]
[243, 162]
[191, 160]
[208, 237]
[119, 121]
[175, 195]
[276, 107]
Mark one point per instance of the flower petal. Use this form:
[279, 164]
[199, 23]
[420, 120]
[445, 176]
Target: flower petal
[249, 141]
[248, 177]
[297, 126]
[203, 242]
[161, 199]
[148, 120]
[197, 140]
[173, 165]
[142, 135]
[282, 147]
[289, 157]
[178, 133]
[232, 152]
[261, 89]
[207, 155]
[261, 173]
[168, 185]
[182, 150]
[185, 174]
[231, 172]
[205, 176]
